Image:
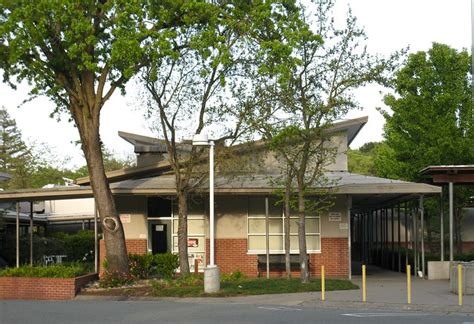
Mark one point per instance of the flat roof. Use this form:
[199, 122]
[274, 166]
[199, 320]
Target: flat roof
[447, 169]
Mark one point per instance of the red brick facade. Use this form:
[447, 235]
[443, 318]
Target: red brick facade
[42, 288]
[134, 246]
[231, 255]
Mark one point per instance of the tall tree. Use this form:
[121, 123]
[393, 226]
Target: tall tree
[15, 157]
[431, 119]
[195, 88]
[303, 94]
[78, 53]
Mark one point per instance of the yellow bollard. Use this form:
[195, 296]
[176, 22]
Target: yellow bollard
[364, 287]
[408, 284]
[323, 284]
[459, 285]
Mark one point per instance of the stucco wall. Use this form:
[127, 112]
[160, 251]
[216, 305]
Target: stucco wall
[231, 217]
[136, 207]
[335, 228]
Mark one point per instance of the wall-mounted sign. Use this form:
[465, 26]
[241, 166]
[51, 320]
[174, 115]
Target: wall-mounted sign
[335, 216]
[343, 226]
[125, 218]
[142, 236]
[193, 242]
[159, 228]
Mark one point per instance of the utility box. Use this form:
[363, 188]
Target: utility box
[467, 277]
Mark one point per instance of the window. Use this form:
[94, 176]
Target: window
[256, 225]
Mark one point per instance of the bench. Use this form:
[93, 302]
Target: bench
[277, 263]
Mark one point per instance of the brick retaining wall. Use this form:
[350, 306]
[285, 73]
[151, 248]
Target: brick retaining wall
[42, 288]
[134, 246]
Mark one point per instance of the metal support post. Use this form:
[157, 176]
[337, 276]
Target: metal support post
[96, 240]
[441, 204]
[31, 233]
[415, 241]
[17, 234]
[399, 240]
[267, 237]
[451, 217]
[392, 238]
[406, 232]
[422, 216]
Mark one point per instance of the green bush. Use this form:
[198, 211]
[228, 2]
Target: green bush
[141, 266]
[166, 264]
[77, 247]
[53, 271]
[114, 279]
[149, 265]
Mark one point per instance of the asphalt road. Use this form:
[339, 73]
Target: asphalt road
[99, 311]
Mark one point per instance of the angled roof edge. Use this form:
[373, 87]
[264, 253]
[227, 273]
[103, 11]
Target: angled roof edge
[353, 126]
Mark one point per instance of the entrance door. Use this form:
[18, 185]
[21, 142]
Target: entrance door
[159, 241]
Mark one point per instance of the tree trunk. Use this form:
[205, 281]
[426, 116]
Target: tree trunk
[287, 214]
[114, 238]
[304, 273]
[183, 232]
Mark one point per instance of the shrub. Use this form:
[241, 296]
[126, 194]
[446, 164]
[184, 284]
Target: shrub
[53, 271]
[115, 279]
[141, 266]
[166, 264]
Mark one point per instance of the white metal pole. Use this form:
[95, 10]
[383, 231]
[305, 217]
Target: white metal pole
[442, 224]
[211, 201]
[451, 216]
[422, 216]
[17, 234]
[267, 237]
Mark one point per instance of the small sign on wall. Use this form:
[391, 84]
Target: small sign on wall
[193, 242]
[125, 218]
[159, 228]
[343, 226]
[335, 216]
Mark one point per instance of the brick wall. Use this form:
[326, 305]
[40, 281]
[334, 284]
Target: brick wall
[231, 255]
[134, 246]
[42, 288]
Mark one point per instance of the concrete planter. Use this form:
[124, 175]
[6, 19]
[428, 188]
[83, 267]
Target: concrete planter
[29, 288]
[438, 270]
[467, 276]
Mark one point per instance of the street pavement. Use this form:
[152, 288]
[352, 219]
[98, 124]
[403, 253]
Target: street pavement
[432, 302]
[166, 311]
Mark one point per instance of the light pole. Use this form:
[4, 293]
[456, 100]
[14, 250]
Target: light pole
[211, 272]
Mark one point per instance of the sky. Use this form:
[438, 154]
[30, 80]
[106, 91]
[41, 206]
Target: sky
[390, 25]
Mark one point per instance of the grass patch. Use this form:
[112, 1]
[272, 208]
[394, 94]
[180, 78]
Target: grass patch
[193, 286]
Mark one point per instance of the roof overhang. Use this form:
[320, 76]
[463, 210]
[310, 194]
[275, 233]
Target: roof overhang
[460, 174]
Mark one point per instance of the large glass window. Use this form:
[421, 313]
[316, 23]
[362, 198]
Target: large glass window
[256, 229]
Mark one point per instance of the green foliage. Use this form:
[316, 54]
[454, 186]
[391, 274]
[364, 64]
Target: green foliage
[151, 265]
[16, 158]
[52, 271]
[166, 264]
[431, 121]
[141, 266]
[235, 277]
[112, 279]
[78, 247]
